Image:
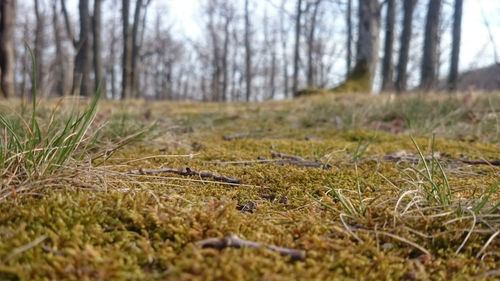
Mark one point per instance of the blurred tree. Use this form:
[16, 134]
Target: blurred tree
[455, 45]
[96, 32]
[311, 42]
[404, 49]
[360, 79]
[387, 65]
[430, 55]
[81, 80]
[7, 24]
[39, 46]
[349, 37]
[248, 52]
[60, 74]
[296, 56]
[284, 48]
[127, 52]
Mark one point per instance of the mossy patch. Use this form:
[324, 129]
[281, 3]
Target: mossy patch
[358, 81]
[144, 227]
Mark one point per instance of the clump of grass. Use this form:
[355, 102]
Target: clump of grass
[30, 151]
[436, 187]
[426, 202]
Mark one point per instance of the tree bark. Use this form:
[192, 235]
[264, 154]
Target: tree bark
[225, 68]
[455, 46]
[7, 24]
[134, 85]
[60, 75]
[368, 38]
[284, 39]
[98, 69]
[349, 38]
[404, 50]
[216, 54]
[127, 49]
[310, 45]
[112, 59]
[431, 43]
[296, 57]
[39, 47]
[82, 59]
[360, 79]
[387, 66]
[248, 53]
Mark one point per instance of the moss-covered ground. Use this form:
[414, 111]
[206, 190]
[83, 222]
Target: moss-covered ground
[365, 218]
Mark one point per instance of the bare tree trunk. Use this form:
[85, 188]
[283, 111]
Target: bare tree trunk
[112, 60]
[284, 36]
[225, 68]
[368, 39]
[82, 58]
[431, 44]
[127, 51]
[60, 75]
[134, 85]
[455, 51]
[404, 50]
[296, 57]
[310, 45]
[71, 36]
[360, 79]
[272, 78]
[349, 37]
[234, 67]
[7, 23]
[96, 25]
[387, 66]
[248, 52]
[216, 56]
[39, 47]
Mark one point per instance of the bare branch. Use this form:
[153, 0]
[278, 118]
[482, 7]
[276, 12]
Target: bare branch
[67, 24]
[236, 242]
[186, 172]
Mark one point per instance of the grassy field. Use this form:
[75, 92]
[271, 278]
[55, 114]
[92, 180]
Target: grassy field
[362, 188]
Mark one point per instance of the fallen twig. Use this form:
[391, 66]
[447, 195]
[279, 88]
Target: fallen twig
[281, 162]
[235, 136]
[186, 172]
[286, 156]
[402, 156]
[236, 242]
[288, 159]
[305, 163]
[481, 162]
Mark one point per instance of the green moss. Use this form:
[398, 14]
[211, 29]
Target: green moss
[144, 228]
[358, 81]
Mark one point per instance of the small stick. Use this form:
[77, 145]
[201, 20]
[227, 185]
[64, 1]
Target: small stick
[281, 162]
[286, 156]
[250, 162]
[236, 242]
[235, 136]
[304, 163]
[481, 162]
[415, 160]
[186, 172]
